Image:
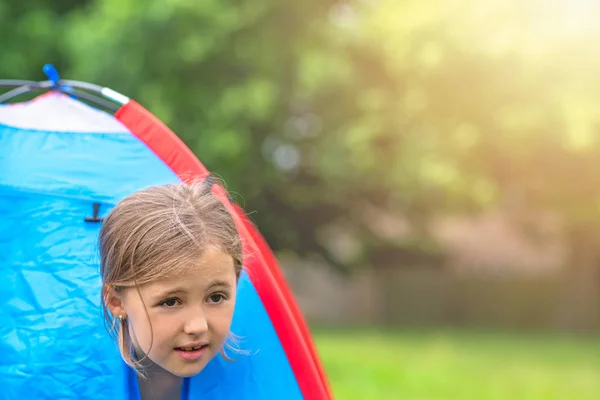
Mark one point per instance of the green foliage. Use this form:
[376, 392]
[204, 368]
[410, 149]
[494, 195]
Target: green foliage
[314, 112]
[32, 34]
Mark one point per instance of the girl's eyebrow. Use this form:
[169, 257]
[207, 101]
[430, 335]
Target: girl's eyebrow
[180, 290]
[225, 284]
[171, 292]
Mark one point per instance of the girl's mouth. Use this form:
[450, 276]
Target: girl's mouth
[191, 353]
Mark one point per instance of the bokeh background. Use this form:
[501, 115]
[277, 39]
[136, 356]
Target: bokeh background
[428, 172]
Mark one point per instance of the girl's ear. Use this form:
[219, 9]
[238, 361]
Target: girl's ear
[113, 301]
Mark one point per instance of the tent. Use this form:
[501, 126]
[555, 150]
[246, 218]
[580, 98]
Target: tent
[66, 157]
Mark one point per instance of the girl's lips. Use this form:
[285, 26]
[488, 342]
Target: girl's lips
[191, 355]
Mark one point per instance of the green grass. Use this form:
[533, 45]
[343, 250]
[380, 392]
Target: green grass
[459, 366]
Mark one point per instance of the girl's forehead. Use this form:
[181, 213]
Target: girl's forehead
[210, 269]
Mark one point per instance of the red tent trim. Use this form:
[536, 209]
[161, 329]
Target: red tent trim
[259, 259]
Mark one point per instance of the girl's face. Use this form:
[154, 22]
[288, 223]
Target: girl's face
[181, 323]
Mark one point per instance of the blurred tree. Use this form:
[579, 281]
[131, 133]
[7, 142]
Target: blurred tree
[333, 119]
[32, 35]
[505, 96]
[226, 77]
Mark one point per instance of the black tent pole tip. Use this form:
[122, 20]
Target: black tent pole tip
[98, 94]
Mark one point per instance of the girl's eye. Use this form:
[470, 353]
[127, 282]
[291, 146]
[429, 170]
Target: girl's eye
[216, 298]
[170, 303]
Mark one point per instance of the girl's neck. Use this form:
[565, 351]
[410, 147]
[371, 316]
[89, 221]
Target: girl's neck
[158, 384]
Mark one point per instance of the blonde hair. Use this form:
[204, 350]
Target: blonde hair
[158, 232]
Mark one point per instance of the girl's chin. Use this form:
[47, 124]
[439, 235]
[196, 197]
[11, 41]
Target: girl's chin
[186, 372]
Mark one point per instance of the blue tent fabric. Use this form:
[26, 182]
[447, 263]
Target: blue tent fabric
[53, 342]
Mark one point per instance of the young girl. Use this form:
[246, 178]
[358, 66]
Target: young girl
[170, 261]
